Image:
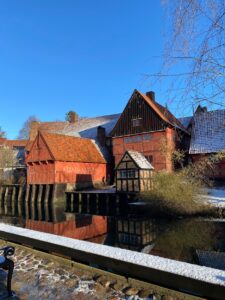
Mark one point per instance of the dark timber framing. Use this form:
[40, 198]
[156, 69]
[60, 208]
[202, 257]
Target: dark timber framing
[130, 177]
[138, 109]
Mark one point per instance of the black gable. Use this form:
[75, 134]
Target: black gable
[137, 117]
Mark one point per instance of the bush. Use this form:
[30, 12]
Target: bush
[175, 194]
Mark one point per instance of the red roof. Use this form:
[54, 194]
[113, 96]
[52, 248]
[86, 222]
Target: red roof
[13, 143]
[16, 143]
[2, 141]
[29, 145]
[68, 148]
[163, 112]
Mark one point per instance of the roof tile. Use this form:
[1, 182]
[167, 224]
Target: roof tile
[68, 148]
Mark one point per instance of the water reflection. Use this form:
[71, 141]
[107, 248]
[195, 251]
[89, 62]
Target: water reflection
[135, 233]
[179, 239]
[176, 239]
[53, 219]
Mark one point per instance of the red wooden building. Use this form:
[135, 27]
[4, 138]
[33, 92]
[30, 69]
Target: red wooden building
[149, 128]
[55, 158]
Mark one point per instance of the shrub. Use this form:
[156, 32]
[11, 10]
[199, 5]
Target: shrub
[175, 194]
[178, 193]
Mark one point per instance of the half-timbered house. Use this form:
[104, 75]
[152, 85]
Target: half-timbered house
[149, 128]
[134, 173]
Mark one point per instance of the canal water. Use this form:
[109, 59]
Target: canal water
[180, 239]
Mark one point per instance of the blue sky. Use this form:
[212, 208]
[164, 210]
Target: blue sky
[82, 55]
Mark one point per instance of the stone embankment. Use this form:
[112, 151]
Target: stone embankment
[39, 275]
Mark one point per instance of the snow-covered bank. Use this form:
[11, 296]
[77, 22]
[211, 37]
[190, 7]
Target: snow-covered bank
[204, 274]
[214, 196]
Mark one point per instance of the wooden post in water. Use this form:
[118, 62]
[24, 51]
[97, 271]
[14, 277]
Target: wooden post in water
[27, 212]
[1, 192]
[27, 193]
[76, 202]
[34, 188]
[20, 194]
[14, 202]
[6, 195]
[88, 203]
[6, 209]
[97, 204]
[47, 194]
[68, 202]
[39, 197]
[72, 202]
[20, 208]
[13, 195]
[40, 211]
[80, 203]
[46, 212]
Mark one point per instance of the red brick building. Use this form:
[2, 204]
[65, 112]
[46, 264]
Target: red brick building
[149, 128]
[55, 158]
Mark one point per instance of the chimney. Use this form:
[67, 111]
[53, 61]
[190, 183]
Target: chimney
[201, 109]
[151, 95]
[73, 117]
[101, 135]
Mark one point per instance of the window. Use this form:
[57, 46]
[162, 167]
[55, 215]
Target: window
[136, 122]
[127, 174]
[149, 158]
[122, 174]
[133, 139]
[130, 173]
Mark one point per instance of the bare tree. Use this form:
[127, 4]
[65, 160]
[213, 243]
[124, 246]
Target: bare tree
[7, 157]
[2, 133]
[8, 160]
[194, 57]
[25, 130]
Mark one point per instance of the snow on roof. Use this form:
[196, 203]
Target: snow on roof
[208, 132]
[85, 128]
[185, 121]
[140, 160]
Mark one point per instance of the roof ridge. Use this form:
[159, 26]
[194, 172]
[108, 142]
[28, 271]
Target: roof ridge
[171, 119]
[62, 135]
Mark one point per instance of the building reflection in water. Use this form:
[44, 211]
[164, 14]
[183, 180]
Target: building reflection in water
[129, 233]
[135, 233]
[176, 239]
[53, 219]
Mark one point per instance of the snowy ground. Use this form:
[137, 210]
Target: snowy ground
[214, 196]
[42, 277]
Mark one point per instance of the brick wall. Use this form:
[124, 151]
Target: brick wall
[149, 144]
